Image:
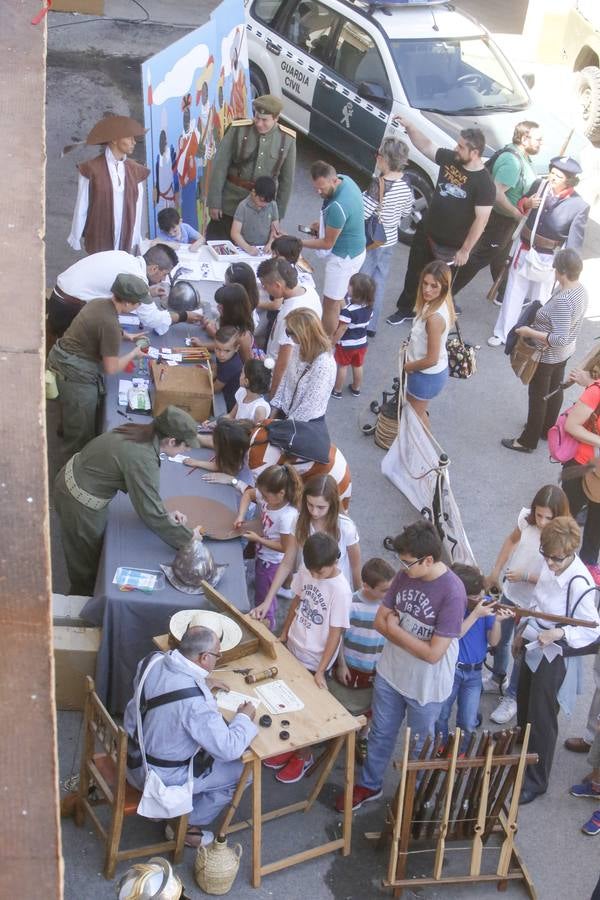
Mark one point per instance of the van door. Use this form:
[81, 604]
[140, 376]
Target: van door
[353, 97]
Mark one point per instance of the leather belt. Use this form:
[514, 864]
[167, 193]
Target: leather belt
[539, 242]
[66, 298]
[241, 182]
[83, 497]
[469, 667]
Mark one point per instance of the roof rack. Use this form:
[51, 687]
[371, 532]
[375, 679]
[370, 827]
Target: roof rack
[371, 6]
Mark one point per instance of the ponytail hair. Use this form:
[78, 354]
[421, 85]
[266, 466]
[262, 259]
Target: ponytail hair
[281, 478]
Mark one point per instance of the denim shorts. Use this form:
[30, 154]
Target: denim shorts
[423, 386]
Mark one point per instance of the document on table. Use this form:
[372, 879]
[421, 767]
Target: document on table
[230, 700]
[279, 698]
[129, 319]
[179, 458]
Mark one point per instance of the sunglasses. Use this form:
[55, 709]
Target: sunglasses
[555, 559]
[406, 566]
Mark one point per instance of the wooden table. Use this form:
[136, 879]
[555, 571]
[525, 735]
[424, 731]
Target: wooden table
[323, 719]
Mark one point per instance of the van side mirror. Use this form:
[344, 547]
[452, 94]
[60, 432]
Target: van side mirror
[529, 79]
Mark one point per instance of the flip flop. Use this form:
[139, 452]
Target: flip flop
[511, 444]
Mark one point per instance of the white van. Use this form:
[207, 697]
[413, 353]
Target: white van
[346, 68]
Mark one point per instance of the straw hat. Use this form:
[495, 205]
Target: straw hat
[113, 128]
[228, 631]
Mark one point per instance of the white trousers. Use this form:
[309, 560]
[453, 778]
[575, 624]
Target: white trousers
[519, 287]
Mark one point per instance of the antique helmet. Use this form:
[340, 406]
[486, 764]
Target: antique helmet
[194, 563]
[154, 880]
[183, 297]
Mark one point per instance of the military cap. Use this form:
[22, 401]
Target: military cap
[113, 128]
[267, 105]
[566, 164]
[174, 422]
[131, 289]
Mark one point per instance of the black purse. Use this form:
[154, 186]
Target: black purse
[305, 440]
[375, 235]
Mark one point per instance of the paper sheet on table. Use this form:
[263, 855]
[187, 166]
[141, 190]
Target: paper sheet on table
[230, 700]
[129, 319]
[279, 698]
[179, 458]
[124, 386]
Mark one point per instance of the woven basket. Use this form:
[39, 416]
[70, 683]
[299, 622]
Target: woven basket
[216, 866]
[386, 430]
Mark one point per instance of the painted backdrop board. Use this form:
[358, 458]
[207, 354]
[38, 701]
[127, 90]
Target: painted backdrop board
[193, 90]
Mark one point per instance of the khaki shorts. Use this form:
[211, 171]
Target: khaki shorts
[338, 272]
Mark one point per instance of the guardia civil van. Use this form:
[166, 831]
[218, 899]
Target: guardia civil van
[346, 68]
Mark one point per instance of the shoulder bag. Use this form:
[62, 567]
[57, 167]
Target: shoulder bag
[539, 266]
[462, 360]
[562, 446]
[375, 235]
[525, 358]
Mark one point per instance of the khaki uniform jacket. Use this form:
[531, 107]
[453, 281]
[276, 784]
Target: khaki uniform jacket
[245, 154]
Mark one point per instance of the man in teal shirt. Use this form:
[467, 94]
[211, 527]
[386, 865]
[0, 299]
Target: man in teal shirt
[341, 236]
[513, 175]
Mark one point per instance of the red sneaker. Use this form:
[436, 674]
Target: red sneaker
[277, 762]
[294, 770]
[360, 795]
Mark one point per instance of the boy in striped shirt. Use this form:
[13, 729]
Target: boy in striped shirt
[350, 338]
[362, 644]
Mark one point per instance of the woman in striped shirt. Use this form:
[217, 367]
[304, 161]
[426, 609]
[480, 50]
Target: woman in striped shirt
[397, 203]
[555, 328]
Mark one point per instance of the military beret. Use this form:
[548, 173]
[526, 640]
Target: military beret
[267, 105]
[131, 289]
[176, 423]
[566, 164]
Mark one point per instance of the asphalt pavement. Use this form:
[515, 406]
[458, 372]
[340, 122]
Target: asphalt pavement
[94, 67]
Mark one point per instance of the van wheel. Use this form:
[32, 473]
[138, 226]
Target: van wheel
[423, 192]
[258, 83]
[587, 89]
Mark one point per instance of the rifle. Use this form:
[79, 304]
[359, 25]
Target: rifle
[546, 617]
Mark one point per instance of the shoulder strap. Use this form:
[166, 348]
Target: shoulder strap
[571, 612]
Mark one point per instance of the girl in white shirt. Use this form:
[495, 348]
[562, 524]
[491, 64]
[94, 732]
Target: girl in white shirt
[521, 557]
[255, 382]
[426, 363]
[319, 511]
[277, 495]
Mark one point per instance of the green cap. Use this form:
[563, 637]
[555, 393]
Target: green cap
[267, 105]
[131, 289]
[174, 422]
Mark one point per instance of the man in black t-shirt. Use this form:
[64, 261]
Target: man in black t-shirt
[459, 211]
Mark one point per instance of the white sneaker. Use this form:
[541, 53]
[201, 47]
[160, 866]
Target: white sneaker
[491, 686]
[505, 711]
[286, 593]
[494, 341]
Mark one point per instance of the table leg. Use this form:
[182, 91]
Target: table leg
[348, 791]
[235, 800]
[256, 823]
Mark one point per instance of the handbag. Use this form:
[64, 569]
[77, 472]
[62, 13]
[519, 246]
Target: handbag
[525, 359]
[462, 359]
[305, 440]
[527, 317]
[375, 235]
[562, 446]
[160, 801]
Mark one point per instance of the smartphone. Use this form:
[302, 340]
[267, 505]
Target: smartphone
[305, 229]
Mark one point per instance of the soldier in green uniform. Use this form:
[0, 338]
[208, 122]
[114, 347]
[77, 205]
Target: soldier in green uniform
[250, 148]
[126, 459]
[89, 347]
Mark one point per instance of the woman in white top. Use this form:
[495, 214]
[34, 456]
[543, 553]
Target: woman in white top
[319, 511]
[397, 204]
[426, 363]
[305, 388]
[520, 559]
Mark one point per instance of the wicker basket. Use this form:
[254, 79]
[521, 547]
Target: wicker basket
[216, 866]
[386, 431]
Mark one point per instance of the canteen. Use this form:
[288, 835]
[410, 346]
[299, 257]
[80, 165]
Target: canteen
[216, 866]
[154, 880]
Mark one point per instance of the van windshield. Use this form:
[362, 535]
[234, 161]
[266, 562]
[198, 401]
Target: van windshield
[456, 75]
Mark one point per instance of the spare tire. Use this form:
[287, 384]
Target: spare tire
[587, 88]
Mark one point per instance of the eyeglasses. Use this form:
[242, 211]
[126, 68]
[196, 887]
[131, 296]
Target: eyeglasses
[555, 559]
[212, 653]
[406, 566]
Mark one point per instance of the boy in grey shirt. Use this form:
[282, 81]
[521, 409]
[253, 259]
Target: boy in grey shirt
[256, 220]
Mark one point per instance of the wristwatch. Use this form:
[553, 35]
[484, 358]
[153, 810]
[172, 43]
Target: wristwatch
[234, 482]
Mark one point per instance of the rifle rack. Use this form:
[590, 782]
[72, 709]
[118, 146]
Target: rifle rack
[451, 795]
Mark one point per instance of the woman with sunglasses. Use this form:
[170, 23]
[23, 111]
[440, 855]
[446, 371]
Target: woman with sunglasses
[565, 588]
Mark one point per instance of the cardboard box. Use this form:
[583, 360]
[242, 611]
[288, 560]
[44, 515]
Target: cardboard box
[75, 651]
[85, 7]
[188, 387]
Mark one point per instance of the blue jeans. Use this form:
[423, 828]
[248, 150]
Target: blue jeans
[388, 710]
[502, 654]
[377, 265]
[467, 689]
